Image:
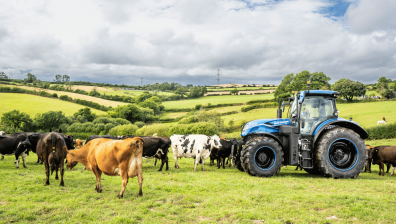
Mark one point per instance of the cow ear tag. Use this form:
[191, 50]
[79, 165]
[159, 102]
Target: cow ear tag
[53, 149]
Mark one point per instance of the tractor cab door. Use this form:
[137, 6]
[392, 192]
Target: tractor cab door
[313, 111]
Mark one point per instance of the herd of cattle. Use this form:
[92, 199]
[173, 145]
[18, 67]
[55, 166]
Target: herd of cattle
[123, 155]
[111, 155]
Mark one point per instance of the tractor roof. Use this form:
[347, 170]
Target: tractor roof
[328, 93]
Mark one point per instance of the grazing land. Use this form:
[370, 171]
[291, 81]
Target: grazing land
[132, 93]
[214, 100]
[210, 196]
[239, 88]
[75, 96]
[32, 104]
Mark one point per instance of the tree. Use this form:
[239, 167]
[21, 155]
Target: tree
[348, 88]
[152, 105]
[16, 119]
[181, 91]
[142, 97]
[298, 82]
[30, 78]
[132, 113]
[235, 91]
[3, 75]
[58, 78]
[86, 113]
[65, 78]
[50, 120]
[383, 87]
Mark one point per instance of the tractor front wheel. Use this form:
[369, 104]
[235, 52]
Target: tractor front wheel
[340, 153]
[262, 156]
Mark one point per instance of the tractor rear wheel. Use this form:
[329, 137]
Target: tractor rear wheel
[340, 153]
[262, 156]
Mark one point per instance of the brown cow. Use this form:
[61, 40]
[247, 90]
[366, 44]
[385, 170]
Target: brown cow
[78, 144]
[113, 158]
[50, 151]
[382, 155]
[369, 160]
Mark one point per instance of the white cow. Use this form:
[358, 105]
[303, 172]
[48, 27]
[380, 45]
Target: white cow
[381, 122]
[193, 146]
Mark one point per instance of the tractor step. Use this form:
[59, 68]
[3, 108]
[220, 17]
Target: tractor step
[306, 160]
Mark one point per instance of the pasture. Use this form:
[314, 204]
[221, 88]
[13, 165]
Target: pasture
[32, 104]
[210, 196]
[75, 96]
[214, 100]
[132, 93]
[214, 89]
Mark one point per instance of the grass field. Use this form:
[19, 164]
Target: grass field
[173, 115]
[132, 93]
[75, 96]
[239, 88]
[32, 104]
[214, 100]
[185, 196]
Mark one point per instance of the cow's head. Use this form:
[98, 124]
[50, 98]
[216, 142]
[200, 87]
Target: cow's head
[69, 141]
[23, 146]
[215, 141]
[71, 163]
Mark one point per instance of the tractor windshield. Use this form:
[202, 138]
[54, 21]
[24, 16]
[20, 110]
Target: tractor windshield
[315, 110]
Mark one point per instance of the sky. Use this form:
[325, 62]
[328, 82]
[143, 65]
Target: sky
[187, 41]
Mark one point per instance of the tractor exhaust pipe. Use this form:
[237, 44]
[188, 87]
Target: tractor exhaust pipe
[279, 111]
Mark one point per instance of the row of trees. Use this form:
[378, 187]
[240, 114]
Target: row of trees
[319, 81]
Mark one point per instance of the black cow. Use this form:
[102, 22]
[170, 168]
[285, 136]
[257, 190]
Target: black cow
[157, 147]
[225, 151]
[382, 155]
[17, 144]
[101, 136]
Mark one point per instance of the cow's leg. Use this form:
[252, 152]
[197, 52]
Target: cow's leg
[167, 160]
[203, 163]
[98, 175]
[296, 167]
[230, 160]
[218, 163]
[300, 168]
[155, 162]
[196, 162]
[17, 161]
[175, 158]
[381, 167]
[393, 170]
[124, 176]
[62, 171]
[140, 179]
[388, 165]
[24, 160]
[224, 162]
[163, 158]
[47, 171]
[2, 156]
[369, 165]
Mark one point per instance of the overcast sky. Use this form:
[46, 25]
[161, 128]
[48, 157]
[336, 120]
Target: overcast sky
[251, 41]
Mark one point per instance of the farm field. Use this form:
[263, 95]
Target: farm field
[173, 115]
[210, 196]
[239, 88]
[132, 93]
[214, 100]
[75, 96]
[32, 104]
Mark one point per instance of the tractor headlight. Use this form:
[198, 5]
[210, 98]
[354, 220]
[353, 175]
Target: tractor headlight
[245, 127]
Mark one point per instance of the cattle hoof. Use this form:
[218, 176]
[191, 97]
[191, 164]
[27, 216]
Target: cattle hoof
[47, 183]
[24, 166]
[56, 178]
[140, 195]
[17, 167]
[62, 184]
[120, 196]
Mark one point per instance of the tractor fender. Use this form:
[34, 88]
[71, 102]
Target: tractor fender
[264, 135]
[341, 123]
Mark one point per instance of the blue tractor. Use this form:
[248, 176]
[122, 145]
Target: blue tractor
[312, 137]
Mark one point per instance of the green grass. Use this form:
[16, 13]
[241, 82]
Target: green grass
[132, 93]
[185, 196]
[32, 104]
[240, 88]
[173, 115]
[214, 100]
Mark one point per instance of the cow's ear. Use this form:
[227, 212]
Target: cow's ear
[60, 130]
[50, 129]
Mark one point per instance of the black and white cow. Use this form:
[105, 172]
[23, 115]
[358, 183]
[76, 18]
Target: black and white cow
[225, 151]
[17, 144]
[193, 146]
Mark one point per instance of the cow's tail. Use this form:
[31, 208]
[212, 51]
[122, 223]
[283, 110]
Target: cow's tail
[53, 158]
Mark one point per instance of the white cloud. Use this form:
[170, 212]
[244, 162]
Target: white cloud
[185, 41]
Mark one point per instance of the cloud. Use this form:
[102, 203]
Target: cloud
[251, 41]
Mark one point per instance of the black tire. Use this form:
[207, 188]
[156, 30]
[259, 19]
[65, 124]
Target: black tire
[340, 153]
[237, 163]
[262, 156]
